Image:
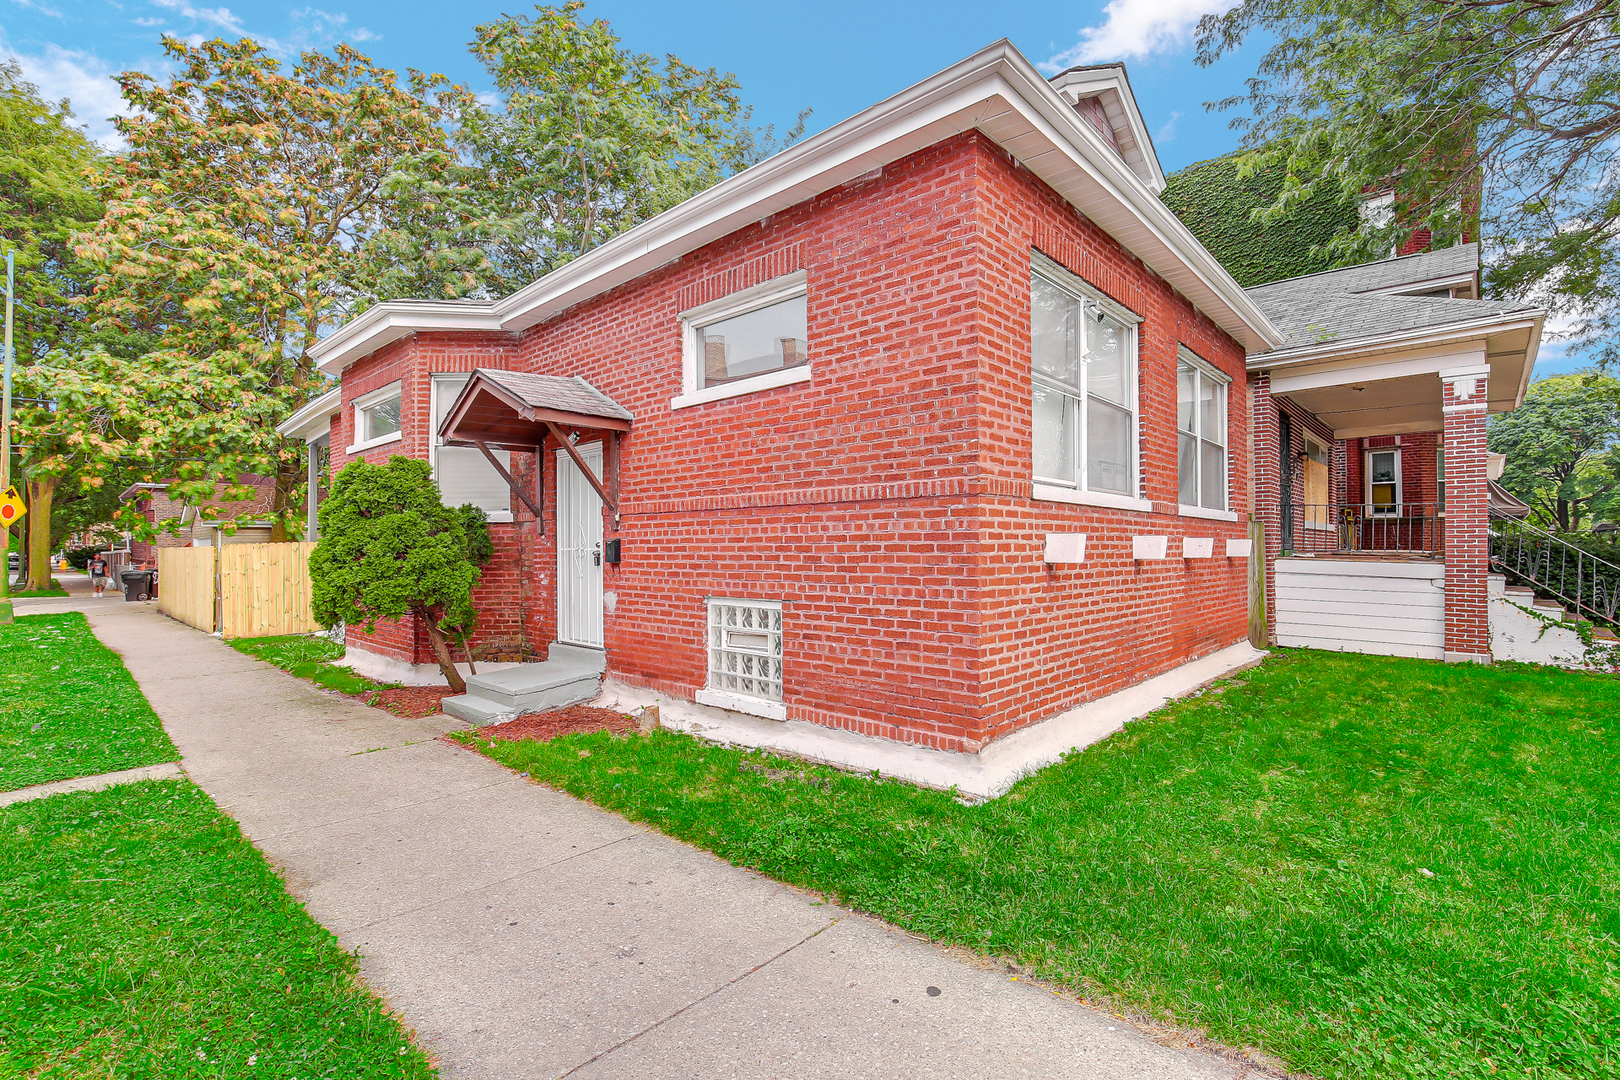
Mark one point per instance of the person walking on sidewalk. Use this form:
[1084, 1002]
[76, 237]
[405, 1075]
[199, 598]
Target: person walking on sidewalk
[100, 575]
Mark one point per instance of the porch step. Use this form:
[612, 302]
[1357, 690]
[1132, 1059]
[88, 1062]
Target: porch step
[1603, 633]
[570, 674]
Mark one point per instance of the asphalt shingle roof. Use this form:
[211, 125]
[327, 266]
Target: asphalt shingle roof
[1335, 305]
[573, 395]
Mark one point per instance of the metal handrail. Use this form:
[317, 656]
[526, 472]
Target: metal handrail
[1587, 584]
[1369, 528]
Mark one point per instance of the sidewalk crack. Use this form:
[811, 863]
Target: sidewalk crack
[627, 1040]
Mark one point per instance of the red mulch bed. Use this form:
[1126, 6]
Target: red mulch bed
[408, 701]
[570, 720]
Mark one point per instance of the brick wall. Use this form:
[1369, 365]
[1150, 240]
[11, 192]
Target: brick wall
[886, 502]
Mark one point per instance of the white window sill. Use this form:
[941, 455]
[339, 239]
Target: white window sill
[1052, 493]
[768, 381]
[753, 706]
[1205, 512]
[374, 443]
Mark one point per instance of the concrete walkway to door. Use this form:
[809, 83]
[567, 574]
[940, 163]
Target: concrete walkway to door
[525, 934]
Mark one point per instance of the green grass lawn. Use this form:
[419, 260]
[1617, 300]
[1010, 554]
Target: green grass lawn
[29, 594]
[1369, 867]
[309, 657]
[141, 936]
[70, 708]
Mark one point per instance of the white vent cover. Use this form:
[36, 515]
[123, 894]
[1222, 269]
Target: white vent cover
[1239, 549]
[1198, 547]
[1065, 547]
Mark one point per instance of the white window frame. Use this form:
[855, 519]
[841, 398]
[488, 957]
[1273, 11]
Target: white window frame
[1209, 371]
[725, 698]
[787, 287]
[1054, 489]
[366, 401]
[436, 382]
[1367, 481]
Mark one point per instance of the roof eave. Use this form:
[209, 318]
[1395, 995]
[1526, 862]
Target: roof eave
[979, 92]
[1432, 335]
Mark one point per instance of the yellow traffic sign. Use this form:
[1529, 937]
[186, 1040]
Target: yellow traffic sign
[12, 508]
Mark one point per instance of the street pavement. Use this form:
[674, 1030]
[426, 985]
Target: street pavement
[525, 934]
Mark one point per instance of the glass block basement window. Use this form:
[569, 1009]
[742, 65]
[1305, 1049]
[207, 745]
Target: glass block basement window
[745, 648]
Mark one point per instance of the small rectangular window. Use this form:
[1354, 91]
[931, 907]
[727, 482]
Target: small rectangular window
[1200, 433]
[1384, 482]
[377, 417]
[745, 656]
[754, 343]
[1083, 376]
[752, 340]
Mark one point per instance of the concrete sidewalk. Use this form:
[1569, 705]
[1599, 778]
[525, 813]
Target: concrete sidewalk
[525, 934]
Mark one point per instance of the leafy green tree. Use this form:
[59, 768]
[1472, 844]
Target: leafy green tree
[45, 198]
[389, 548]
[1561, 448]
[591, 139]
[240, 223]
[1507, 111]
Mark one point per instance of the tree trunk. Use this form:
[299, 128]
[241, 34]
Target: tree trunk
[287, 482]
[41, 493]
[441, 651]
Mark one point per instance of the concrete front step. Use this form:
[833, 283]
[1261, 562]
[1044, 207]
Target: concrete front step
[571, 674]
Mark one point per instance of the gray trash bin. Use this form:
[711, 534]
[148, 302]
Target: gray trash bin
[137, 584]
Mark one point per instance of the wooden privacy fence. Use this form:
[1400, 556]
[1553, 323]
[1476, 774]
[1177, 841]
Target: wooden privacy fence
[243, 590]
[186, 585]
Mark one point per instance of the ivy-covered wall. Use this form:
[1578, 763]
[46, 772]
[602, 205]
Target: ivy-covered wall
[1214, 204]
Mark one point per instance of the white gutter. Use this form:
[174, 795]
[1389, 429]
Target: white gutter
[996, 89]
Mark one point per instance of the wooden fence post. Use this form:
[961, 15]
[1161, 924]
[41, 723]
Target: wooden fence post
[1259, 636]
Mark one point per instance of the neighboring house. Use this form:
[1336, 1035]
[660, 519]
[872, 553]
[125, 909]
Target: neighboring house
[935, 427]
[198, 525]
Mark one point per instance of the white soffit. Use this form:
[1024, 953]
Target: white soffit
[996, 91]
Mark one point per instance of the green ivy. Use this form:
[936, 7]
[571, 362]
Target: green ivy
[1214, 204]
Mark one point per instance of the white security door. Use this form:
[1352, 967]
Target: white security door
[579, 550]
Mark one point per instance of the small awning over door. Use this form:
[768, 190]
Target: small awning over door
[512, 410]
[516, 411]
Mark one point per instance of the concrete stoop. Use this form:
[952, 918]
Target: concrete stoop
[569, 674]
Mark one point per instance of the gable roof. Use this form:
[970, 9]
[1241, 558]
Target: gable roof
[1374, 300]
[996, 91]
[1106, 87]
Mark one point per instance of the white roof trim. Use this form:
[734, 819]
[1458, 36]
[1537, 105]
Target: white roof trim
[313, 419]
[1110, 83]
[996, 91]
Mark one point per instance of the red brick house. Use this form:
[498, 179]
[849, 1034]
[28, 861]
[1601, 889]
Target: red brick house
[924, 445]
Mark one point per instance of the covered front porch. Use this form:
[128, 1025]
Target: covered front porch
[1377, 536]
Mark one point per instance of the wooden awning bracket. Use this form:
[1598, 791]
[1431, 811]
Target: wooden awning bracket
[517, 488]
[610, 465]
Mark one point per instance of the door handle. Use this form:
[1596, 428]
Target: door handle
[596, 555]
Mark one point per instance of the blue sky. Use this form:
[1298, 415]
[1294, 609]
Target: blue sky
[836, 57]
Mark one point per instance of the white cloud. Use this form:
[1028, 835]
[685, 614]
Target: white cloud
[1136, 29]
[148, 22]
[1168, 132]
[83, 78]
[219, 17]
[43, 9]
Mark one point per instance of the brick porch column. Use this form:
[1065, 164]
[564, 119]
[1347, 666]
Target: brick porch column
[1468, 636]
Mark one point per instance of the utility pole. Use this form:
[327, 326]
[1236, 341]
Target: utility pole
[5, 445]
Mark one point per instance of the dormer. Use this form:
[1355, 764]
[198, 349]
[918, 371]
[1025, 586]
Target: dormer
[1102, 95]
